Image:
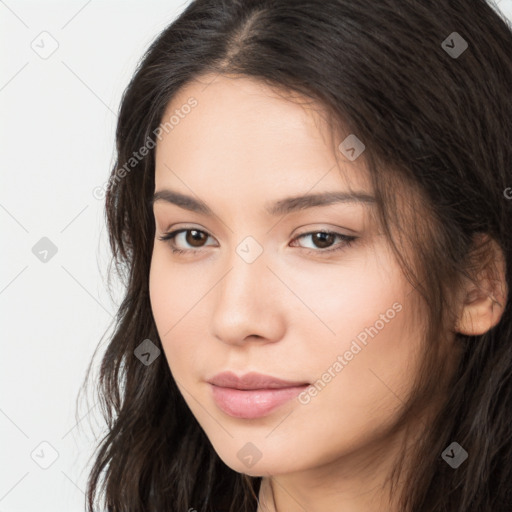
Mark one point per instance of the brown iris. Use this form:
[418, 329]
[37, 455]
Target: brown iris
[323, 238]
[193, 236]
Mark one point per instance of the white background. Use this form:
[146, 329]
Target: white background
[58, 118]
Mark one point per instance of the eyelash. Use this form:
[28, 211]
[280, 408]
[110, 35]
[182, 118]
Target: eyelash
[346, 241]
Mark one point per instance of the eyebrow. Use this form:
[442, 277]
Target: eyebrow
[280, 207]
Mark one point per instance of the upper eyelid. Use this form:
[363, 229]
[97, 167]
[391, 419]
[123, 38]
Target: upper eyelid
[351, 232]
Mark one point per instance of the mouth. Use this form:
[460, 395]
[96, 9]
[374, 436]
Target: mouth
[253, 395]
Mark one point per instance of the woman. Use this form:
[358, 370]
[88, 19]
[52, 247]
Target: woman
[310, 208]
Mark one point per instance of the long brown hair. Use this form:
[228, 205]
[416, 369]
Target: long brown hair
[436, 124]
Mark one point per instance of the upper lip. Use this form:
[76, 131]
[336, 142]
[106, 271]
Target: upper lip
[252, 380]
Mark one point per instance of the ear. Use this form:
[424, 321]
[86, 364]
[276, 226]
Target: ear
[484, 294]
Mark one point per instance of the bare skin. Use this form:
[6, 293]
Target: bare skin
[293, 310]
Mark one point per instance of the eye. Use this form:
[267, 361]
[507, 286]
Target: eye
[321, 239]
[195, 239]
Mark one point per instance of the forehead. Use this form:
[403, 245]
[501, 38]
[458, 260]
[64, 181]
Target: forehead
[242, 134]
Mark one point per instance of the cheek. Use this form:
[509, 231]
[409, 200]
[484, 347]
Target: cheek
[342, 300]
[161, 295]
[359, 389]
[365, 356]
[172, 290]
[169, 293]
[178, 297]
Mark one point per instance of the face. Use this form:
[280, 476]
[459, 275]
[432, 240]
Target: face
[312, 296]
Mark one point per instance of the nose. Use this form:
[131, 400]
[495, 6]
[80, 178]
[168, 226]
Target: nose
[248, 303]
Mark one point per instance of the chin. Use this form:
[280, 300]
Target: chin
[239, 460]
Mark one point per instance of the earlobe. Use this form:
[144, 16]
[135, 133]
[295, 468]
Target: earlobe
[484, 299]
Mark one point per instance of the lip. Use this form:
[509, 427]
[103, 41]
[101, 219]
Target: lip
[252, 381]
[252, 395]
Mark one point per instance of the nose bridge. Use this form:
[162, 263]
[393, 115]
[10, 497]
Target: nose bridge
[242, 303]
[246, 277]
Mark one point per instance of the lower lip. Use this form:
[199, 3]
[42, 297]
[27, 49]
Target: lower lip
[253, 403]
